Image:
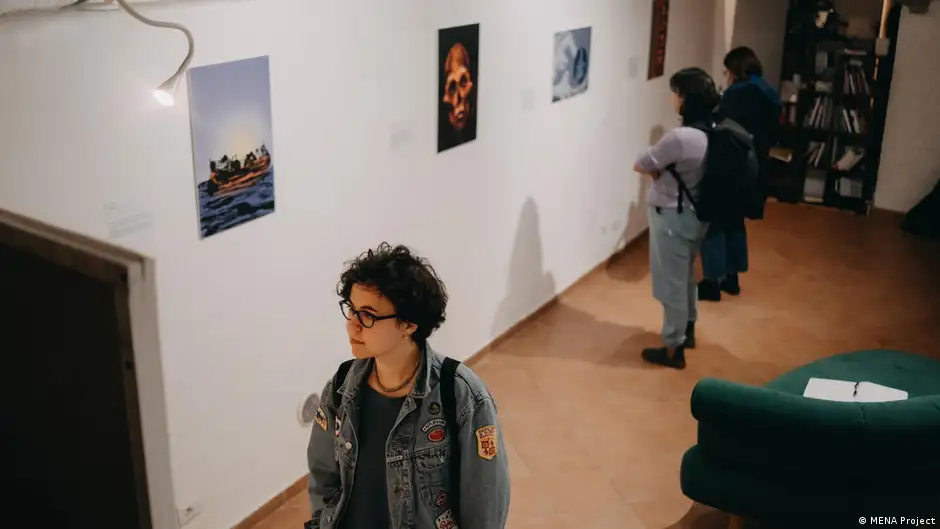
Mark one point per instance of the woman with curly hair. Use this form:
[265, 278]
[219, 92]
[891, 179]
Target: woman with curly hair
[403, 437]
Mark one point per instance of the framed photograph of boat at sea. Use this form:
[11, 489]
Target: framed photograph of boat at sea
[233, 148]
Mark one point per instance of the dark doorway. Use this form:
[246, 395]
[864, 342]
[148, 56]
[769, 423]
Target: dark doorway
[70, 418]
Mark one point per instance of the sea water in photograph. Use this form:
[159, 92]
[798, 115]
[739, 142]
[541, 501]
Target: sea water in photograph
[221, 210]
[233, 152]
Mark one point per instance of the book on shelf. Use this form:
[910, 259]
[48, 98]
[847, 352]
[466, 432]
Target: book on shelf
[816, 154]
[852, 121]
[814, 187]
[849, 159]
[781, 153]
[849, 188]
[821, 114]
[855, 81]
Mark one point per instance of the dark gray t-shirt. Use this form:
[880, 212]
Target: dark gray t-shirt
[368, 500]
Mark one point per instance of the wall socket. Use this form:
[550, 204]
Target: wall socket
[187, 515]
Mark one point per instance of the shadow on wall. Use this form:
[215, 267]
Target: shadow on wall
[528, 286]
[635, 225]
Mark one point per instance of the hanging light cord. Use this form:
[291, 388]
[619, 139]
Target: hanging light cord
[167, 25]
[33, 10]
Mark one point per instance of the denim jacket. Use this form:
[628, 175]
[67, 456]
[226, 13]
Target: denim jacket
[416, 468]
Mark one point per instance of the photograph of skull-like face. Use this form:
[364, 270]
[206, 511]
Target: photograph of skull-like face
[572, 62]
[457, 85]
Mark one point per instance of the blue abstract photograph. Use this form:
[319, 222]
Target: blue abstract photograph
[572, 63]
[233, 149]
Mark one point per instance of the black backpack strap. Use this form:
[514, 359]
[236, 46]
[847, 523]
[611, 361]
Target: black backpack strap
[338, 380]
[449, 403]
[683, 190]
[707, 127]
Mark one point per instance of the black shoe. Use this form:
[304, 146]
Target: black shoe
[661, 356]
[731, 285]
[690, 335]
[709, 290]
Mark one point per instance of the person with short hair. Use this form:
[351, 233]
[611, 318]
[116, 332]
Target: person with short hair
[755, 105]
[384, 452]
[675, 235]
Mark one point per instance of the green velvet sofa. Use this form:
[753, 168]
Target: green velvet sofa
[772, 455]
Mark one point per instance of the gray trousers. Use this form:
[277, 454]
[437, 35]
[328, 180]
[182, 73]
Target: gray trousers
[675, 240]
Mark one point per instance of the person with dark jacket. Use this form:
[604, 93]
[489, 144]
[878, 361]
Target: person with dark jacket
[755, 105]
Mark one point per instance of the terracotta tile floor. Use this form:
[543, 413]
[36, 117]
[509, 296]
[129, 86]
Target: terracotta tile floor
[595, 437]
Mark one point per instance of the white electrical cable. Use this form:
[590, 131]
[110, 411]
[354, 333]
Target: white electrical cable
[37, 10]
[167, 25]
[164, 93]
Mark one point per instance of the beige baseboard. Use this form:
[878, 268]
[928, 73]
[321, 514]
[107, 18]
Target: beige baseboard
[888, 214]
[272, 505]
[285, 495]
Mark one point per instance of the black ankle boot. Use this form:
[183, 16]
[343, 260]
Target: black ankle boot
[731, 285]
[709, 290]
[661, 356]
[690, 335]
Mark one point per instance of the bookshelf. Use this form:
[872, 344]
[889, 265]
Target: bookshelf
[829, 90]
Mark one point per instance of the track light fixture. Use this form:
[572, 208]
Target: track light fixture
[165, 93]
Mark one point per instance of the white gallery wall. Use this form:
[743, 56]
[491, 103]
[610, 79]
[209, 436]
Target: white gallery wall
[249, 323]
[723, 21]
[757, 24]
[762, 25]
[910, 161]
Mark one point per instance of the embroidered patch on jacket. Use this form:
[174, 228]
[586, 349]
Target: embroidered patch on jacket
[446, 521]
[339, 426]
[441, 500]
[320, 419]
[487, 442]
[434, 408]
[436, 435]
[433, 423]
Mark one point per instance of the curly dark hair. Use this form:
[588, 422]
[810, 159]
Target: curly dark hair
[407, 280]
[699, 94]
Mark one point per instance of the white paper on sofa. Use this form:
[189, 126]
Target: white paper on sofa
[846, 391]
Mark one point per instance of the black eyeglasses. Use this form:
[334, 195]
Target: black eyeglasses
[367, 319]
